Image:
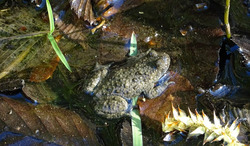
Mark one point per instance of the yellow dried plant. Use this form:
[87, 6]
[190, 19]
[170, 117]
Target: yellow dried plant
[197, 124]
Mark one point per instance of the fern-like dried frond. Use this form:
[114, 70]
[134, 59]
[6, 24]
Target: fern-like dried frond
[198, 124]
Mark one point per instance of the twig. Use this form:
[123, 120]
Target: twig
[22, 36]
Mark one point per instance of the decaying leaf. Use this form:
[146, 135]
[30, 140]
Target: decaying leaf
[39, 92]
[45, 71]
[21, 50]
[45, 122]
[75, 30]
[83, 8]
[10, 64]
[113, 7]
[15, 53]
[11, 85]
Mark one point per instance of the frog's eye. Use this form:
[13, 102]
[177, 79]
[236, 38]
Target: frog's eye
[153, 53]
[163, 62]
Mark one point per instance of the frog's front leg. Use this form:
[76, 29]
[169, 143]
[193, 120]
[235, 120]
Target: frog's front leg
[113, 106]
[95, 79]
[160, 87]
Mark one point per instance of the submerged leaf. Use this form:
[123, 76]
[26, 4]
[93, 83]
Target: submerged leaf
[157, 108]
[45, 122]
[20, 50]
[45, 71]
[73, 30]
[83, 8]
[27, 47]
[39, 92]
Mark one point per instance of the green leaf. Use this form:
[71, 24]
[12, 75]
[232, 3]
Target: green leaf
[133, 45]
[136, 125]
[51, 18]
[58, 51]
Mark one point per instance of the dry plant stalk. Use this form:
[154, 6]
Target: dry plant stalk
[198, 124]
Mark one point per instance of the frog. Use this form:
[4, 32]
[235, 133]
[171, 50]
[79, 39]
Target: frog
[114, 89]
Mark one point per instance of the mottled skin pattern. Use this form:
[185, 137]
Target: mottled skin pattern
[114, 89]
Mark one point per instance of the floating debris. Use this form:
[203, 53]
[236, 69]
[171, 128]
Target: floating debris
[220, 90]
[141, 13]
[201, 6]
[150, 41]
[184, 31]
[93, 30]
[198, 124]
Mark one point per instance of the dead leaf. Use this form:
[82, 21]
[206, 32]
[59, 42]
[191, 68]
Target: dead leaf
[73, 30]
[39, 92]
[83, 8]
[153, 111]
[45, 122]
[45, 71]
[113, 7]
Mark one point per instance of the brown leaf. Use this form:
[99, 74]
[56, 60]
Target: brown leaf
[153, 111]
[181, 83]
[73, 30]
[39, 92]
[45, 71]
[45, 122]
[117, 7]
[83, 8]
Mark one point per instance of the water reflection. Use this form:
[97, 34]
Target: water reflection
[233, 76]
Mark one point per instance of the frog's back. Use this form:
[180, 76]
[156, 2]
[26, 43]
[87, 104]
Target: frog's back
[129, 80]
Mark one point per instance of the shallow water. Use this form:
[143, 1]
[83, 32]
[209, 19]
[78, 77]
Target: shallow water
[193, 39]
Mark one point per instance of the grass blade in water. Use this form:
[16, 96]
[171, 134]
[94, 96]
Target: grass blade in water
[58, 51]
[51, 38]
[51, 18]
[136, 125]
[133, 45]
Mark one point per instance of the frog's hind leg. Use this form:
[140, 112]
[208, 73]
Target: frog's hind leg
[113, 106]
[160, 86]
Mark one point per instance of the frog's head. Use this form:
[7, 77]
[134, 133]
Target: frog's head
[161, 62]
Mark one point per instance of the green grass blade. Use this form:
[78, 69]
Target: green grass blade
[133, 45]
[58, 51]
[136, 125]
[51, 18]
[51, 38]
